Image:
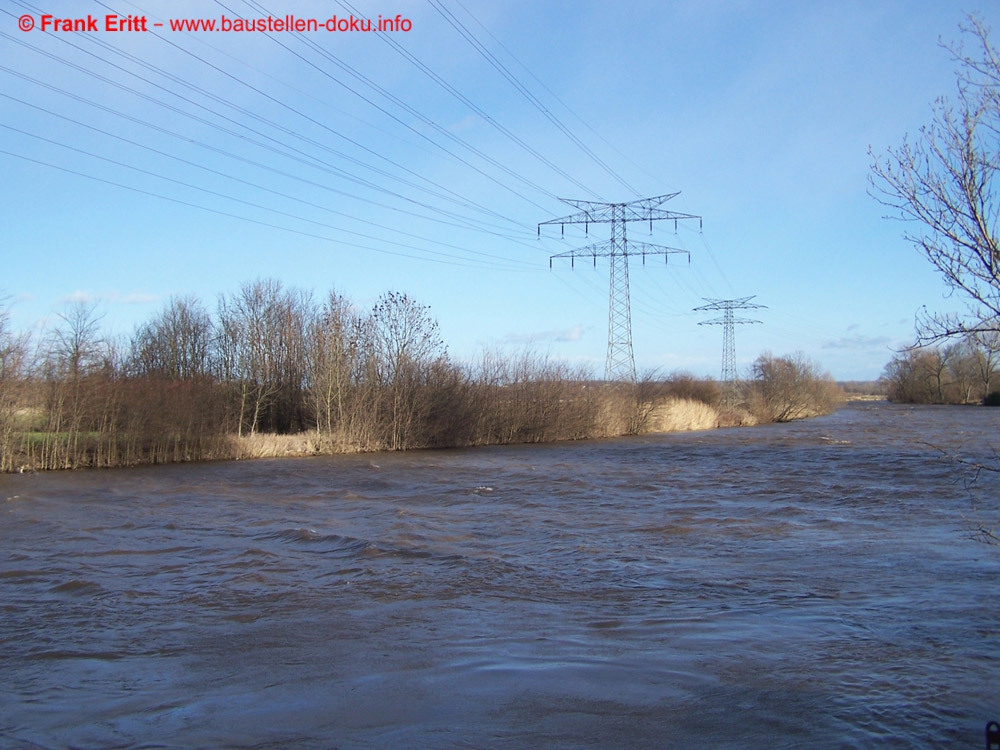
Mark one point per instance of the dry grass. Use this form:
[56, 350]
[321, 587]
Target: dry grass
[268, 445]
[681, 414]
[670, 415]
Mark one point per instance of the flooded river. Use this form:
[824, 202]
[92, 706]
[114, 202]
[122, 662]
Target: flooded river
[809, 584]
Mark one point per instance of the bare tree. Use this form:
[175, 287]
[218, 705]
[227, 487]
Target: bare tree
[908, 377]
[76, 341]
[74, 353]
[13, 363]
[403, 333]
[943, 183]
[940, 367]
[987, 344]
[405, 343]
[73, 363]
[262, 355]
[334, 350]
[962, 361]
[176, 343]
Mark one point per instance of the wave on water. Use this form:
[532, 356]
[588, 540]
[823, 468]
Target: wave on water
[77, 588]
[312, 541]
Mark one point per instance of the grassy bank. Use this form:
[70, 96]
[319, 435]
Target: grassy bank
[555, 412]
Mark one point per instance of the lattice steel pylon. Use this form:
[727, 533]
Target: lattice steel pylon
[620, 363]
[729, 323]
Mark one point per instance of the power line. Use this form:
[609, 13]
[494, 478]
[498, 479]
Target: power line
[412, 59]
[281, 148]
[564, 105]
[524, 91]
[284, 130]
[453, 260]
[357, 75]
[240, 180]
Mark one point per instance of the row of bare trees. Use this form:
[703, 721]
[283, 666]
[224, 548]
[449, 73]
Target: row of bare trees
[963, 372]
[271, 359]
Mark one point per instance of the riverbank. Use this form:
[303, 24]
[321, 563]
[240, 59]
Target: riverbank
[609, 413]
[670, 415]
[105, 421]
[274, 372]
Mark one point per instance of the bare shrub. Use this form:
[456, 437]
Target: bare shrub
[528, 398]
[787, 388]
[683, 385]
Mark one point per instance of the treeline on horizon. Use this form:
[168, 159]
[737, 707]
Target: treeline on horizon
[272, 361]
[962, 372]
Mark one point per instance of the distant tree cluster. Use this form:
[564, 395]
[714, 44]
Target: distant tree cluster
[964, 372]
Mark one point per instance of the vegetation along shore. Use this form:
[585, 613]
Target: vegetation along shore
[274, 372]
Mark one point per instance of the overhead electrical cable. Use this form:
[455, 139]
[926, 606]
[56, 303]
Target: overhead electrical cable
[357, 75]
[462, 200]
[426, 70]
[525, 92]
[246, 160]
[555, 96]
[212, 192]
[256, 186]
[452, 260]
[304, 158]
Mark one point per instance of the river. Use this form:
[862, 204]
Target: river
[807, 584]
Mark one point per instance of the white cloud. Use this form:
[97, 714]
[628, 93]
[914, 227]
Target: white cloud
[79, 296]
[859, 342]
[576, 333]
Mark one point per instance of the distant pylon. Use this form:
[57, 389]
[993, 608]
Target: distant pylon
[728, 322]
[620, 364]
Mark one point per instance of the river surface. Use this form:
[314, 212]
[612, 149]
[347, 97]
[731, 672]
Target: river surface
[808, 584]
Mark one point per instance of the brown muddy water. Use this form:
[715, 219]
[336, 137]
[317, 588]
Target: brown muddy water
[809, 584]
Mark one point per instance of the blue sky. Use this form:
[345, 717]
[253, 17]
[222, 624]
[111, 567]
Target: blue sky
[145, 165]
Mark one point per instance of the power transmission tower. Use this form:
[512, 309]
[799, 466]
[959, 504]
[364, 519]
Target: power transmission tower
[620, 362]
[728, 322]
